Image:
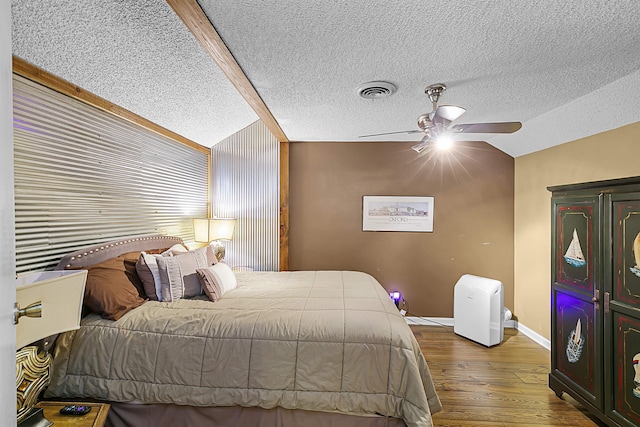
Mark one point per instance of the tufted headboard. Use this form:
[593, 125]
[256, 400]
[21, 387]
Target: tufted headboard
[100, 252]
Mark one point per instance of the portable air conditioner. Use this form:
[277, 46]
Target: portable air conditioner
[478, 309]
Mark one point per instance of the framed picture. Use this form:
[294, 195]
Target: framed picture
[397, 213]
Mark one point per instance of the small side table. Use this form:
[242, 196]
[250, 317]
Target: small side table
[95, 418]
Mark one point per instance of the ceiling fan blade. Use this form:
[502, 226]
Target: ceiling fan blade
[424, 143]
[503, 127]
[419, 147]
[392, 133]
[448, 112]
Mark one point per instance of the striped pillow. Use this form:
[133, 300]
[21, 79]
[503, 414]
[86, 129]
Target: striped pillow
[178, 275]
[216, 280]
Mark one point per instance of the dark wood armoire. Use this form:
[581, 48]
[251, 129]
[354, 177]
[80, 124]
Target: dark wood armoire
[595, 297]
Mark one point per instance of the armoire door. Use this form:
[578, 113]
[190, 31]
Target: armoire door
[622, 309]
[576, 361]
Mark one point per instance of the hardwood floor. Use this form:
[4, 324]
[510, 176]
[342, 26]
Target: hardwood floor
[501, 386]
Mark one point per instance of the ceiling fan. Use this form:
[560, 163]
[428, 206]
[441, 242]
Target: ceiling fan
[437, 124]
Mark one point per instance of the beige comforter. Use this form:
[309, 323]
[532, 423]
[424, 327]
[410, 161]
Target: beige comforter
[324, 341]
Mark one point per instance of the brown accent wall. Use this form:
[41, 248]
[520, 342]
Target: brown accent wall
[473, 188]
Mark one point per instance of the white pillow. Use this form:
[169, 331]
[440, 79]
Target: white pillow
[151, 262]
[175, 249]
[216, 280]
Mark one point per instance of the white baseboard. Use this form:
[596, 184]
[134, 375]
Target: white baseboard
[445, 321]
[534, 336]
[430, 321]
[448, 321]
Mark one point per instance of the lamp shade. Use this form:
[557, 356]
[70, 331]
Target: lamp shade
[60, 294]
[210, 229]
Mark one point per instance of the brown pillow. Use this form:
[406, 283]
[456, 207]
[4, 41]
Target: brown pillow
[209, 284]
[145, 275]
[130, 259]
[211, 256]
[110, 290]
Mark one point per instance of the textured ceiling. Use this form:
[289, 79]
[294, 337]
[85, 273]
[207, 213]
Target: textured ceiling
[564, 69]
[137, 54]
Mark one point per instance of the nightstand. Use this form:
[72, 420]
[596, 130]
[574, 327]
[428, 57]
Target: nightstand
[95, 418]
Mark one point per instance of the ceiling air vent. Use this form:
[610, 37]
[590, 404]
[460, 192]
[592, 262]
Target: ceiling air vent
[376, 90]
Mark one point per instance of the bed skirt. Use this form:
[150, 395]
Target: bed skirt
[132, 415]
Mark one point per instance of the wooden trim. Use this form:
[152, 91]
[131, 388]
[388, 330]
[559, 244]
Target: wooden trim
[38, 75]
[197, 22]
[284, 206]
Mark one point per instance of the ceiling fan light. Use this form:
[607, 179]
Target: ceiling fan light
[444, 142]
[449, 112]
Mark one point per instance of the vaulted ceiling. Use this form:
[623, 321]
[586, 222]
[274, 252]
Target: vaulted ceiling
[564, 69]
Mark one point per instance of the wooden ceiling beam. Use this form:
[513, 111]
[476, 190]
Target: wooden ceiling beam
[197, 22]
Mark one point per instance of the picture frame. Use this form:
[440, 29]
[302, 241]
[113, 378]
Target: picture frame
[398, 213]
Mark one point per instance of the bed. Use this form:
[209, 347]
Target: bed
[311, 348]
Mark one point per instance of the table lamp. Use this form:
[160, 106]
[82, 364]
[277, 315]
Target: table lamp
[47, 303]
[212, 230]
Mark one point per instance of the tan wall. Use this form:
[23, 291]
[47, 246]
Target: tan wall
[612, 154]
[473, 221]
